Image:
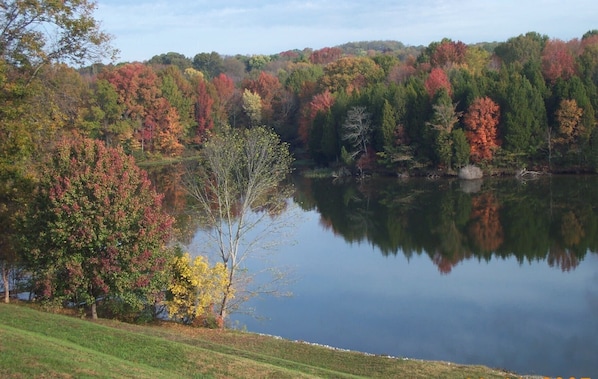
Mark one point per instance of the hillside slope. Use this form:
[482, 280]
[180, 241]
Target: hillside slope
[39, 344]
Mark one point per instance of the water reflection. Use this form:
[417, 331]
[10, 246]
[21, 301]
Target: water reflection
[550, 219]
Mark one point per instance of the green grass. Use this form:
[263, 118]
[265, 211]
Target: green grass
[38, 344]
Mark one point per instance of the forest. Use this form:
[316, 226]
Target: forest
[375, 106]
[85, 224]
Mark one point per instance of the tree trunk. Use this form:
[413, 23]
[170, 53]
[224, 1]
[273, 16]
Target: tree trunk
[6, 283]
[94, 311]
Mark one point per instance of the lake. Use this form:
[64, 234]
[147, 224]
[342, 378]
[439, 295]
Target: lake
[500, 272]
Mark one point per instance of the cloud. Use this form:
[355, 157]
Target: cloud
[148, 27]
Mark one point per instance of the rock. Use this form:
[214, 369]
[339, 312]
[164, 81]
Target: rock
[470, 172]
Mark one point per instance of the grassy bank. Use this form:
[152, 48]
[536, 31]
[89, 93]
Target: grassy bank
[39, 344]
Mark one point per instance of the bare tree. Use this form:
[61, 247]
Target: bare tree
[238, 193]
[357, 129]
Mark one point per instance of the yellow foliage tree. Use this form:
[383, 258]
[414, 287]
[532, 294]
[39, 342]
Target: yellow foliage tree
[195, 288]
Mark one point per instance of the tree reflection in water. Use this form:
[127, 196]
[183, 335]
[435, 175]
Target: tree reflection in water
[551, 219]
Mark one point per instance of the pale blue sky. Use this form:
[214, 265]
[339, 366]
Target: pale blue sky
[144, 28]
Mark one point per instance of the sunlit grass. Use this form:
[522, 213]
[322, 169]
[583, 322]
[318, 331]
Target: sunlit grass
[38, 344]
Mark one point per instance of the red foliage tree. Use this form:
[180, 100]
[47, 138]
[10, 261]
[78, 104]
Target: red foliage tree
[95, 229]
[137, 87]
[268, 87]
[224, 88]
[400, 73]
[481, 121]
[448, 52]
[203, 111]
[321, 102]
[325, 55]
[437, 80]
[557, 61]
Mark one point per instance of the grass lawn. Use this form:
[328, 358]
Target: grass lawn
[39, 344]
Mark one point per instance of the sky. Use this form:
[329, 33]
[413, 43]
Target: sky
[144, 28]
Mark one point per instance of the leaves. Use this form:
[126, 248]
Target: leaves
[481, 122]
[436, 81]
[95, 228]
[39, 32]
[195, 288]
[557, 61]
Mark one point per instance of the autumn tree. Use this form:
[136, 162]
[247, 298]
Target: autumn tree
[179, 92]
[224, 88]
[436, 81]
[194, 289]
[35, 34]
[350, 74]
[137, 88]
[557, 61]
[268, 87]
[320, 103]
[95, 230]
[325, 55]
[476, 60]
[238, 194]
[252, 106]
[203, 111]
[162, 120]
[447, 53]
[568, 117]
[481, 122]
[149, 115]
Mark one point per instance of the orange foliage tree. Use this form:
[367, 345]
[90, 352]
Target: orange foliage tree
[147, 112]
[568, 116]
[163, 121]
[481, 121]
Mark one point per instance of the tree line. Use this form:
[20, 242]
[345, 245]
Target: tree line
[527, 102]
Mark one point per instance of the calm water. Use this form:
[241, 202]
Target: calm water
[501, 273]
